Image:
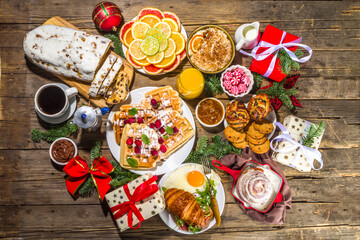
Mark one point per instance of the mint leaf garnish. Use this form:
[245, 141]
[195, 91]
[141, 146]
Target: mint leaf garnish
[132, 162]
[145, 139]
[169, 130]
[133, 111]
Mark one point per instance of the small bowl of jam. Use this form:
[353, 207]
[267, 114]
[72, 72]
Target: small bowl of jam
[210, 112]
[62, 150]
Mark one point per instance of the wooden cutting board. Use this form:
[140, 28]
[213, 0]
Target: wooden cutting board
[82, 87]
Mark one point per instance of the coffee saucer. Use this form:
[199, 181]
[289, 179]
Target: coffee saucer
[69, 112]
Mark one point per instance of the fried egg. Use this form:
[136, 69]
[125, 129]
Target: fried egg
[190, 177]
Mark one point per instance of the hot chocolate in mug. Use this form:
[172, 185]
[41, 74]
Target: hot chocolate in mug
[51, 100]
[247, 36]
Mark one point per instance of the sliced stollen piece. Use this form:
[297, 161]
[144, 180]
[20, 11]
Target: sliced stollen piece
[66, 51]
[146, 153]
[119, 90]
[110, 77]
[101, 75]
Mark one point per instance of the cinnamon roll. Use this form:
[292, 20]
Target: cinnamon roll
[255, 187]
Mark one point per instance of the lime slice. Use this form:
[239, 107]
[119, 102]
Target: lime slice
[153, 31]
[150, 46]
[162, 40]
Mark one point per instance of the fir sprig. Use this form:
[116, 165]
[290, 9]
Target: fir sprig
[258, 79]
[212, 85]
[117, 43]
[217, 148]
[278, 90]
[56, 131]
[314, 131]
[121, 176]
[286, 63]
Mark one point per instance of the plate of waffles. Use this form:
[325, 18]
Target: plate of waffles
[154, 131]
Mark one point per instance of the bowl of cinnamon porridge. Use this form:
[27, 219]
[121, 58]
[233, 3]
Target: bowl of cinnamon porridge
[210, 49]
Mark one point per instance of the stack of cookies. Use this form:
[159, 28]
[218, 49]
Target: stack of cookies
[247, 126]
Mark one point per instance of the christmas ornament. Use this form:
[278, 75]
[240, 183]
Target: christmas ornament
[106, 16]
[78, 172]
[282, 92]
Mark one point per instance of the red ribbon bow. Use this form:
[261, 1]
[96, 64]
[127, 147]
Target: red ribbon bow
[144, 190]
[78, 171]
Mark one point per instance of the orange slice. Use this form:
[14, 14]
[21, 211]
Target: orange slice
[166, 62]
[128, 38]
[196, 42]
[155, 58]
[164, 27]
[142, 62]
[170, 48]
[139, 30]
[172, 23]
[179, 42]
[135, 51]
[150, 19]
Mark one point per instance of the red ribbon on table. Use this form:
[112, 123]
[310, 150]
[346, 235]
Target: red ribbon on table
[78, 171]
[144, 190]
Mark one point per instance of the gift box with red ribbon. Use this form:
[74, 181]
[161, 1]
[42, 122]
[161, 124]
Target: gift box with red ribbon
[265, 60]
[135, 202]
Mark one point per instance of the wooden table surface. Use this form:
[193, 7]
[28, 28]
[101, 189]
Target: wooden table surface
[34, 202]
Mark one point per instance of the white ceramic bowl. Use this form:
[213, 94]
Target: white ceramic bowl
[63, 138]
[207, 125]
[247, 72]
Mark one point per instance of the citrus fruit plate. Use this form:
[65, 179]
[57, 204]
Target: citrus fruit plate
[154, 41]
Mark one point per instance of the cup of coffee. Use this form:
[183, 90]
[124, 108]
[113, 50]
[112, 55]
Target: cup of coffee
[51, 100]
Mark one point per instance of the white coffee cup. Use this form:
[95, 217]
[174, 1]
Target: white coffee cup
[55, 96]
[247, 36]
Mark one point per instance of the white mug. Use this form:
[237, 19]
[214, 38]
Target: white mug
[247, 36]
[51, 101]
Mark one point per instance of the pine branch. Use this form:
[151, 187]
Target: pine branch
[95, 151]
[121, 176]
[56, 131]
[205, 149]
[314, 131]
[286, 63]
[212, 85]
[117, 43]
[258, 79]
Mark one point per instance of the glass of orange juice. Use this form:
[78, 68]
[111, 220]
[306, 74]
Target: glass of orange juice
[190, 83]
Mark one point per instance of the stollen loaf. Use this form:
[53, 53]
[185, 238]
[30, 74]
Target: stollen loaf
[66, 51]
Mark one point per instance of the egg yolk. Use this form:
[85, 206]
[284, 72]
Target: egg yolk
[195, 178]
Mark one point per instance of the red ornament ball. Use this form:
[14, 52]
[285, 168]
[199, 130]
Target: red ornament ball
[106, 16]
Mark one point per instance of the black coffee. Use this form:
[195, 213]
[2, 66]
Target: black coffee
[51, 100]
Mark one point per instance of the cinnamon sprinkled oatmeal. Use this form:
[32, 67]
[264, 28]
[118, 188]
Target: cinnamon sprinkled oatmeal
[215, 51]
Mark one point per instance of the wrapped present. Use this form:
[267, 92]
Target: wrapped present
[265, 60]
[288, 147]
[136, 201]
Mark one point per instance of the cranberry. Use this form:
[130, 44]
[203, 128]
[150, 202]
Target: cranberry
[131, 120]
[152, 125]
[140, 120]
[137, 150]
[138, 142]
[129, 141]
[162, 130]
[154, 152]
[161, 141]
[126, 121]
[163, 148]
[157, 123]
[154, 103]
[175, 129]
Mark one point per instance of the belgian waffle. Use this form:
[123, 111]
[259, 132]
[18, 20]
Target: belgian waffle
[144, 158]
[167, 98]
[123, 114]
[174, 141]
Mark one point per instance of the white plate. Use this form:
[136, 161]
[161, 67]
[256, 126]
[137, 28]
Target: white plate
[69, 112]
[271, 117]
[124, 48]
[163, 166]
[168, 219]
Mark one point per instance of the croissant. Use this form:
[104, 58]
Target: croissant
[259, 107]
[183, 205]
